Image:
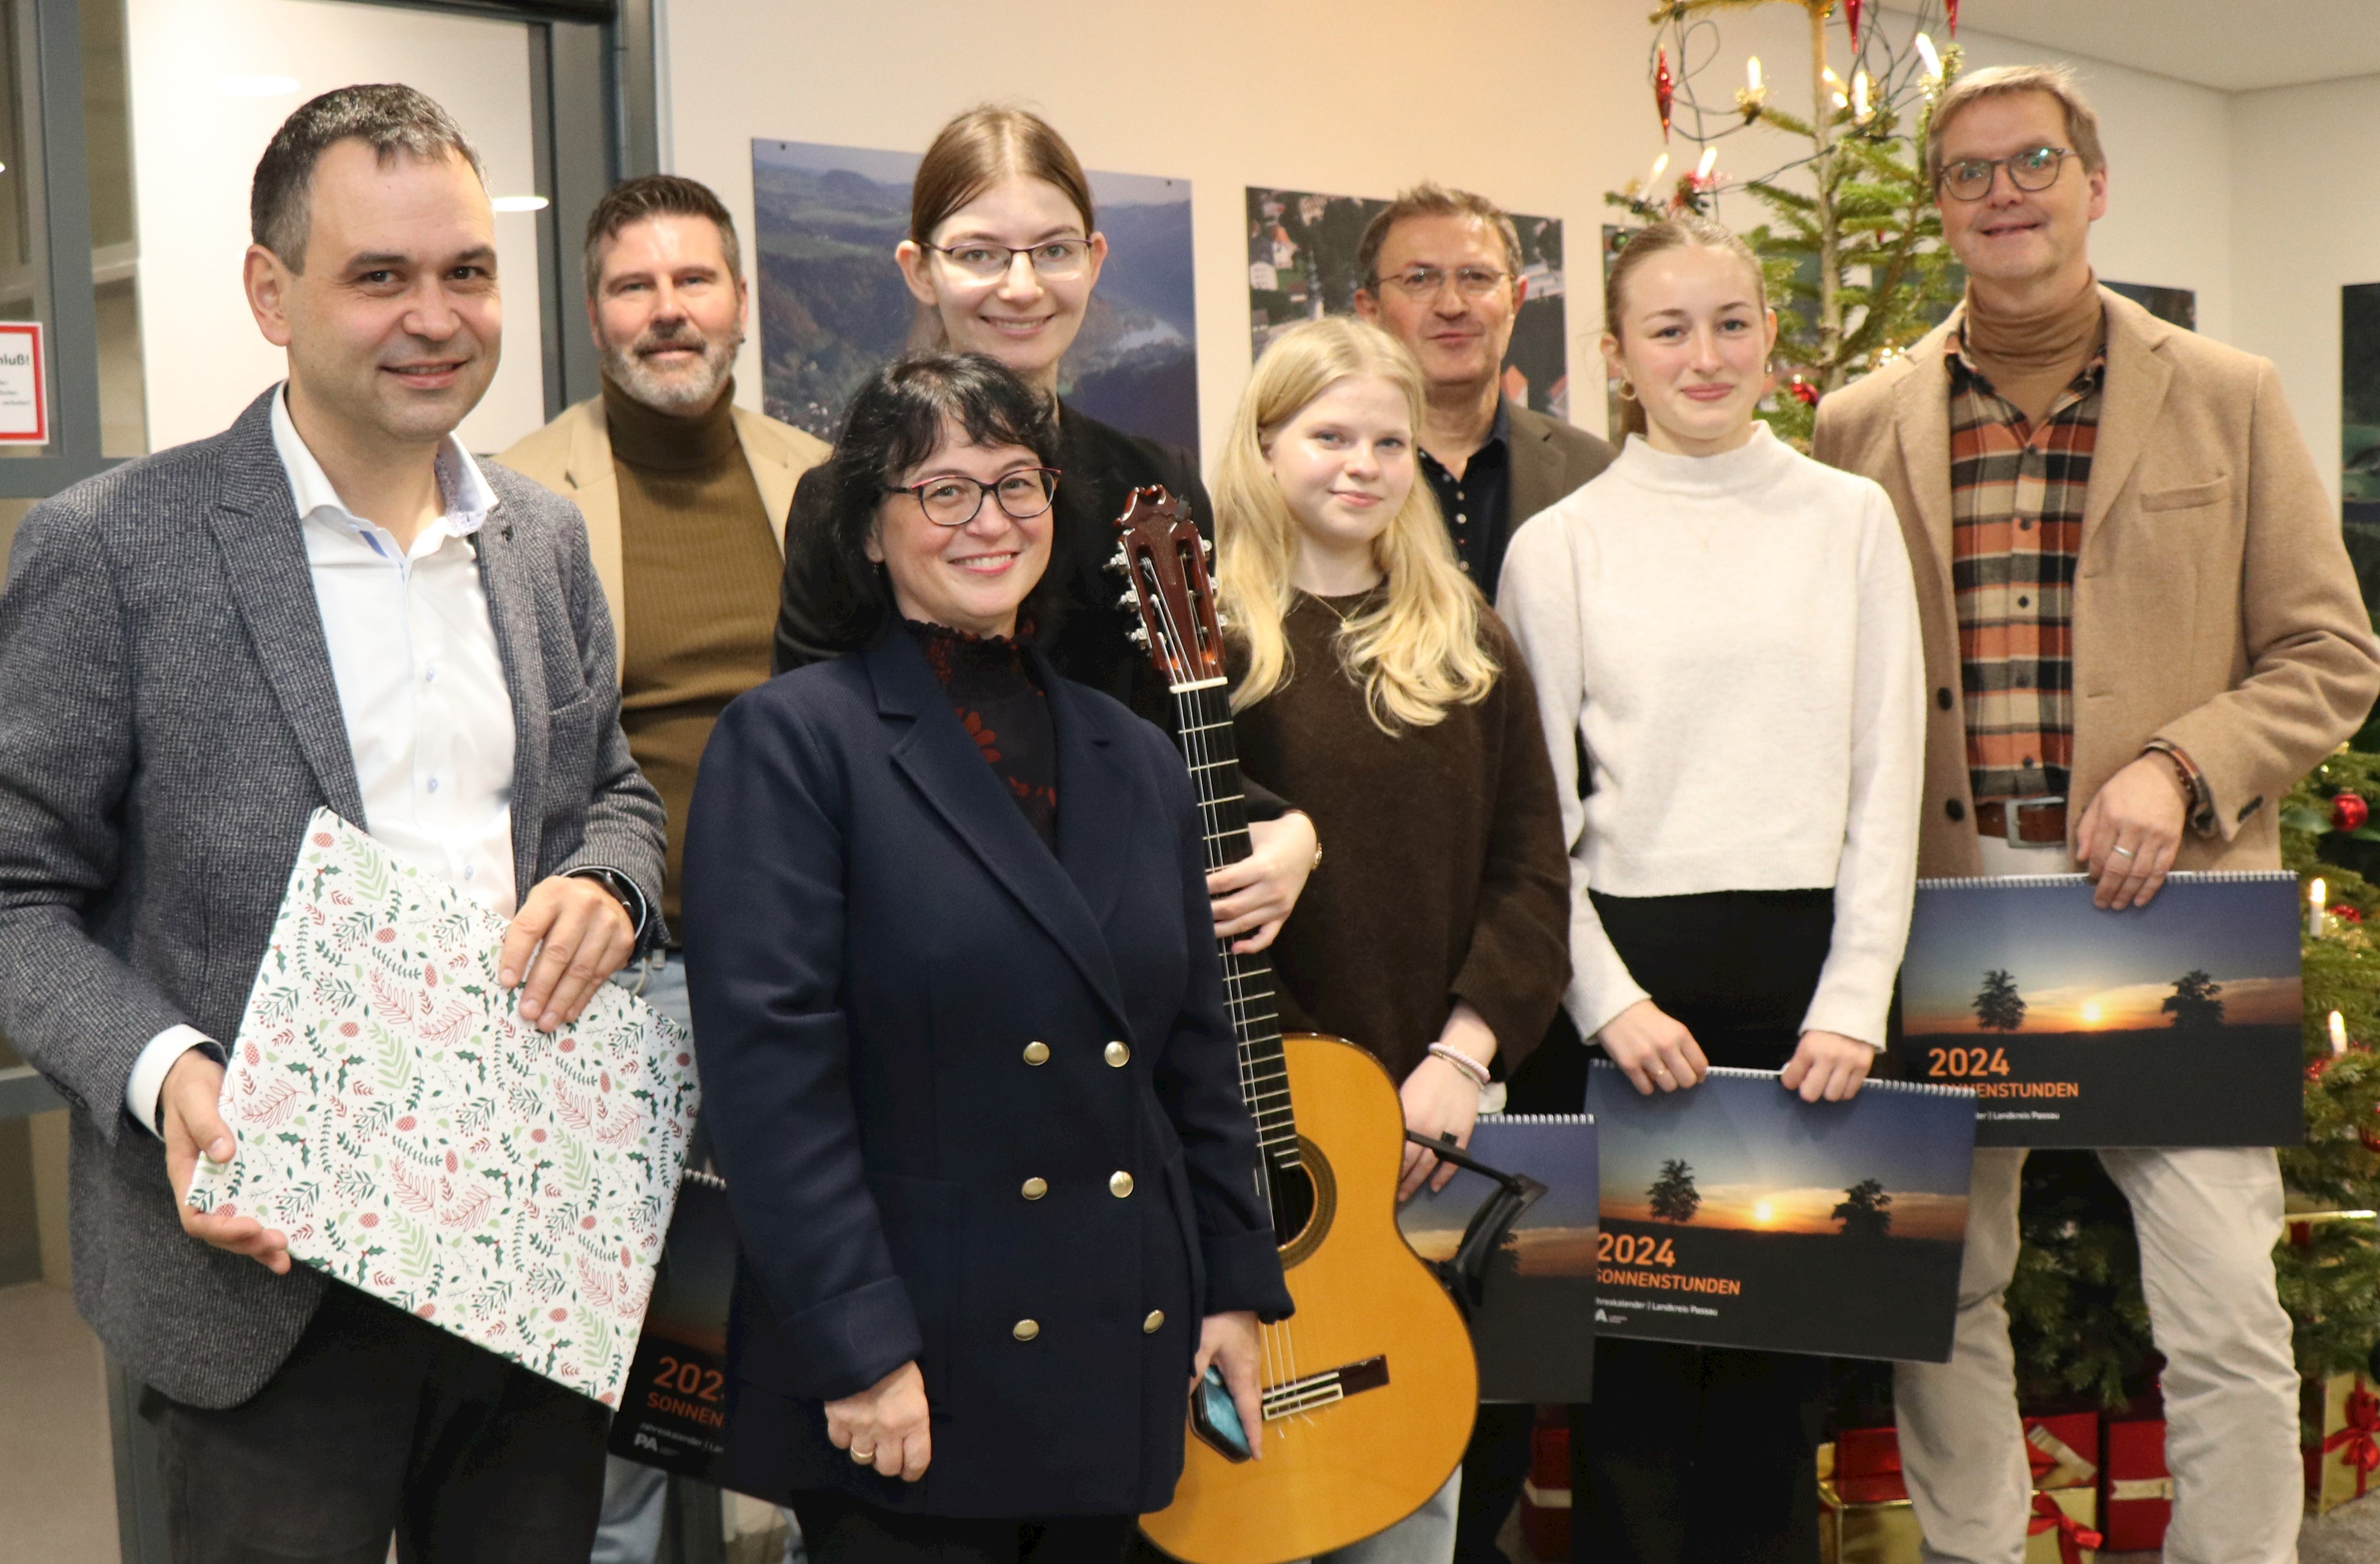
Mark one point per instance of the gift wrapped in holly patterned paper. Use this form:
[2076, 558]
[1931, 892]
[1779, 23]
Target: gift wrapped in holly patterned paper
[417, 1140]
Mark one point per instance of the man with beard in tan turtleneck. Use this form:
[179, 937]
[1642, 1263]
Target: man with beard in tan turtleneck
[2141, 628]
[685, 497]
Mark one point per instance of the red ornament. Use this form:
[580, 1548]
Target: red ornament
[1665, 88]
[1804, 393]
[2346, 914]
[1851, 16]
[2348, 811]
[1951, 7]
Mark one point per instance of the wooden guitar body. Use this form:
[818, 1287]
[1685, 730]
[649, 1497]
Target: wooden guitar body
[1371, 1388]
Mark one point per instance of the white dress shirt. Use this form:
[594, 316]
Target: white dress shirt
[421, 687]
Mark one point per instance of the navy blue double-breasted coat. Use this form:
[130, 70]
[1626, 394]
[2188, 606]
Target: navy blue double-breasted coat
[977, 1103]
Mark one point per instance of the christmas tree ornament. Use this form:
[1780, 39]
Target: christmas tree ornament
[1951, 8]
[1665, 90]
[2348, 812]
[1851, 17]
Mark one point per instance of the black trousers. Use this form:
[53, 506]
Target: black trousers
[380, 1423]
[838, 1529]
[1704, 1455]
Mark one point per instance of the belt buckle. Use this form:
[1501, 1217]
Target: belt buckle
[2012, 813]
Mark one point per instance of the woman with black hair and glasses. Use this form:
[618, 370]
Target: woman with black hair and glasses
[964, 1058]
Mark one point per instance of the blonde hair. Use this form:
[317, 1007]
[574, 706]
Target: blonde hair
[1418, 651]
[1687, 230]
[2005, 81]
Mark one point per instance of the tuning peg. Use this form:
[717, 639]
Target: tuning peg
[1222, 620]
[1120, 561]
[1128, 599]
[1140, 636]
[1207, 546]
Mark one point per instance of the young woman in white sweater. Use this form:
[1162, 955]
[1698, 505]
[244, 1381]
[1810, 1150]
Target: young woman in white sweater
[1726, 633]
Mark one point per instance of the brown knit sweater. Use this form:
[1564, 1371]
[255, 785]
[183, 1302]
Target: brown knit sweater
[701, 571]
[1443, 876]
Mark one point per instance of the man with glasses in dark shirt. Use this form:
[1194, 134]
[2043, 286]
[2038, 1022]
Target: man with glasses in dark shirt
[1441, 272]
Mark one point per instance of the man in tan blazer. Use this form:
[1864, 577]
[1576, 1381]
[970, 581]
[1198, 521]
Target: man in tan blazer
[2141, 628]
[685, 497]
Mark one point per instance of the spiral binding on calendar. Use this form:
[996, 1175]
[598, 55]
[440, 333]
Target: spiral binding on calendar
[1873, 1084]
[2039, 881]
[697, 1176]
[1538, 1118]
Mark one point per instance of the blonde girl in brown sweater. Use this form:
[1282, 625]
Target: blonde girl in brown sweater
[1374, 684]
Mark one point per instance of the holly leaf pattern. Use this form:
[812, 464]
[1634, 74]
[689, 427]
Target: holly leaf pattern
[413, 1137]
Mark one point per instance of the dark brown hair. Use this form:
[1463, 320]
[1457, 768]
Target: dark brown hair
[388, 117]
[657, 195]
[1427, 200]
[983, 146]
[1687, 230]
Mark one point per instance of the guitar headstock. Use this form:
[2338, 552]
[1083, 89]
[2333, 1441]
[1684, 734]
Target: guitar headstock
[1164, 558]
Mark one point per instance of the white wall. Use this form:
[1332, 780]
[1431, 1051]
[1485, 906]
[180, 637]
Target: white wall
[1544, 110]
[194, 151]
[2304, 223]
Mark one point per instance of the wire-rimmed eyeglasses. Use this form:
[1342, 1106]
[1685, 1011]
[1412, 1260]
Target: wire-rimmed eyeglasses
[1426, 282]
[952, 500]
[1054, 260]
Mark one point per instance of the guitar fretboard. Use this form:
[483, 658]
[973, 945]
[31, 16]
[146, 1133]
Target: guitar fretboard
[1204, 708]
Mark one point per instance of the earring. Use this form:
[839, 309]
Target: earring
[1627, 391]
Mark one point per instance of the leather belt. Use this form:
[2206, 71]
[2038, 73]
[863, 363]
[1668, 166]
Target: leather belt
[2024, 822]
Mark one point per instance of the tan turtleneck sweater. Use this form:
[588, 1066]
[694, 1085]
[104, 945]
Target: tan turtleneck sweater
[2029, 359]
[700, 597]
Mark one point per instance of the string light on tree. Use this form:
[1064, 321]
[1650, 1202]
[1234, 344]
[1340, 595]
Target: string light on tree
[1851, 246]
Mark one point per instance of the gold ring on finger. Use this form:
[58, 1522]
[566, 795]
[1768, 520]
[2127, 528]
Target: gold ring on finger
[862, 1457]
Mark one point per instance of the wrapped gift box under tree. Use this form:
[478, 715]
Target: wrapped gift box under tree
[1865, 1516]
[1545, 1495]
[2344, 1411]
[2135, 1490]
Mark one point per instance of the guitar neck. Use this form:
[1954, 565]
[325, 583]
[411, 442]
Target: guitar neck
[1208, 744]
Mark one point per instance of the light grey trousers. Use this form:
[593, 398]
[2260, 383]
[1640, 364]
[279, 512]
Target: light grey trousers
[2207, 1220]
[1427, 1536]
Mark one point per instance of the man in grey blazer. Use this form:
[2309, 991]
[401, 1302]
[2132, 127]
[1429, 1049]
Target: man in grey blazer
[1441, 272]
[330, 604]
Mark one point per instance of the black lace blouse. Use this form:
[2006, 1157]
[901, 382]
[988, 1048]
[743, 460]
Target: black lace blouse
[992, 691]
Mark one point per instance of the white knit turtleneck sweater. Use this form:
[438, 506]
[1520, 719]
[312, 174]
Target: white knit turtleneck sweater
[1734, 637]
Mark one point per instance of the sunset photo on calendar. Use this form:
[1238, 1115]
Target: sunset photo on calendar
[1986, 963]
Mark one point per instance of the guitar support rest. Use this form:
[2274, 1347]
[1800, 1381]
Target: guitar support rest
[1466, 1276]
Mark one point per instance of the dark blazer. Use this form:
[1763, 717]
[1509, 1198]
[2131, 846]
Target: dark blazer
[1087, 632]
[906, 1008]
[1550, 458]
[171, 722]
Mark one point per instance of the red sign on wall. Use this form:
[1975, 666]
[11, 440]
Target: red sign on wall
[24, 405]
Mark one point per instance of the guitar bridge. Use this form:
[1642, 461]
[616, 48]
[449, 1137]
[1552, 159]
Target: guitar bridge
[1293, 1397]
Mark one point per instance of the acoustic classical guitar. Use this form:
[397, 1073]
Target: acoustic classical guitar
[1369, 1391]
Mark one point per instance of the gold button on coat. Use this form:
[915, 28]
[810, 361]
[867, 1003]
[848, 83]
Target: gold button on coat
[1118, 1054]
[1119, 1186]
[1027, 1329]
[1154, 1323]
[1037, 1052]
[1035, 1188]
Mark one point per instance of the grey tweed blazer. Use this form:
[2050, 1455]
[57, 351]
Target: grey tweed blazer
[168, 719]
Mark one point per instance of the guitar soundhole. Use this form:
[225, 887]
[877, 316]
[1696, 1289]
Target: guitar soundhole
[1304, 1199]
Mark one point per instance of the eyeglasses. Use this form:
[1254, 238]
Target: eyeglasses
[2034, 169]
[1055, 260]
[953, 501]
[1425, 282]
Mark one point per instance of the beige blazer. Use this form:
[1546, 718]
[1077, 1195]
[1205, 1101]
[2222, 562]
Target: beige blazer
[572, 455]
[2214, 604]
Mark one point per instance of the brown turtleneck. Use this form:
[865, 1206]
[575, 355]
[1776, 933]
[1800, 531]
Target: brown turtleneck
[2029, 359]
[701, 571]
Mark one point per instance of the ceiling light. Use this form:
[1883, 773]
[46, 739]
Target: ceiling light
[518, 204]
[256, 86]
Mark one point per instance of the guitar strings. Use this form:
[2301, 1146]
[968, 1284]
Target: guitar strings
[1279, 1343]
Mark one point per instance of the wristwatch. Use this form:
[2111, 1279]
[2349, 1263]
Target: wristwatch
[623, 890]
